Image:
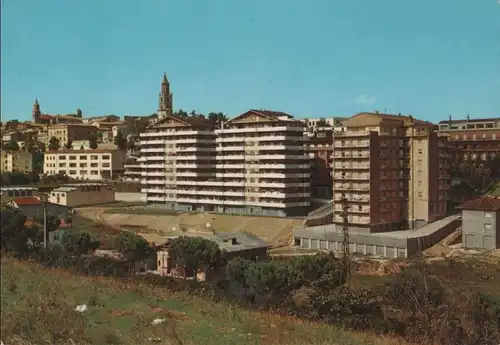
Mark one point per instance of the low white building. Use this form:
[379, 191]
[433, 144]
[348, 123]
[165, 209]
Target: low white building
[94, 165]
[84, 194]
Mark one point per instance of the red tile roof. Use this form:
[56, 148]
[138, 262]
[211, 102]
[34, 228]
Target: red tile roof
[27, 201]
[484, 203]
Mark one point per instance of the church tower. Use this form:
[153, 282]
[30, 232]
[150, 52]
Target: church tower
[165, 100]
[36, 112]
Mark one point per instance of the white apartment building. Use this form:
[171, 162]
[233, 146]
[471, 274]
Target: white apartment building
[256, 165]
[177, 159]
[89, 165]
[262, 165]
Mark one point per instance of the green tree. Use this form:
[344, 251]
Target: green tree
[132, 246]
[78, 242]
[121, 141]
[69, 145]
[217, 119]
[196, 253]
[29, 143]
[14, 236]
[93, 141]
[12, 146]
[180, 113]
[54, 144]
[322, 123]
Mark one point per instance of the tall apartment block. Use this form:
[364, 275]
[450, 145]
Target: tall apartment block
[262, 165]
[177, 159]
[392, 171]
[257, 164]
[321, 159]
[472, 139]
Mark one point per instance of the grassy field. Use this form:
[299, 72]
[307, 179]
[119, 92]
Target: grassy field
[37, 307]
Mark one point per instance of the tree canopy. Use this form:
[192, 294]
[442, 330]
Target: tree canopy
[93, 141]
[196, 253]
[132, 246]
[78, 242]
[54, 144]
[120, 141]
[12, 146]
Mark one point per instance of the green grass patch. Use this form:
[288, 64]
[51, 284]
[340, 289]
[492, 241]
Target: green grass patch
[37, 306]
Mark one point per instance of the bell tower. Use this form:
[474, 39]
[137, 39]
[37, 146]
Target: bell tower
[36, 112]
[165, 99]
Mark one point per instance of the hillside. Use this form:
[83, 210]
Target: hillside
[37, 306]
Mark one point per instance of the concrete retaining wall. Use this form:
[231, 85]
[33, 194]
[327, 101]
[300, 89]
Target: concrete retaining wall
[130, 197]
[397, 244]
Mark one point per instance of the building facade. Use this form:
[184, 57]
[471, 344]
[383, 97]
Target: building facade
[472, 139]
[69, 133]
[263, 166]
[76, 195]
[93, 165]
[39, 117]
[321, 160]
[390, 171]
[481, 223]
[20, 161]
[177, 159]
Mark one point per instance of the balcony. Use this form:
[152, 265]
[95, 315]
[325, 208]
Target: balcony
[364, 177]
[350, 166]
[351, 155]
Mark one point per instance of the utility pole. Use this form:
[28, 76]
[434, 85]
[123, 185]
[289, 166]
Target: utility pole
[45, 220]
[345, 241]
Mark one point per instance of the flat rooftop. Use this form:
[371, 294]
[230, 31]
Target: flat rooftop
[318, 232]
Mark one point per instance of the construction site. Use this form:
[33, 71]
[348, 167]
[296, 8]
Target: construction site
[290, 236]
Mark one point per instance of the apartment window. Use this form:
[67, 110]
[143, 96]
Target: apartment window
[419, 183]
[105, 157]
[83, 158]
[488, 215]
[62, 165]
[72, 165]
[359, 208]
[105, 165]
[72, 158]
[419, 151]
[419, 194]
[60, 157]
[83, 165]
[94, 157]
[419, 162]
[94, 165]
[487, 226]
[72, 172]
[93, 172]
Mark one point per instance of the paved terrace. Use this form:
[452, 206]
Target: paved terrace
[405, 243]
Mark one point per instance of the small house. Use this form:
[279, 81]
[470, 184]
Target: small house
[481, 223]
[234, 244]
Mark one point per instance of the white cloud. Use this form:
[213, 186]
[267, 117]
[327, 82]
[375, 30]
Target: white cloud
[365, 100]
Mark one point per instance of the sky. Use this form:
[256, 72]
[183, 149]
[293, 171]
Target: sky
[319, 58]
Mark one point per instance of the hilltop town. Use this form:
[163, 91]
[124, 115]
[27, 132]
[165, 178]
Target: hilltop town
[202, 197]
